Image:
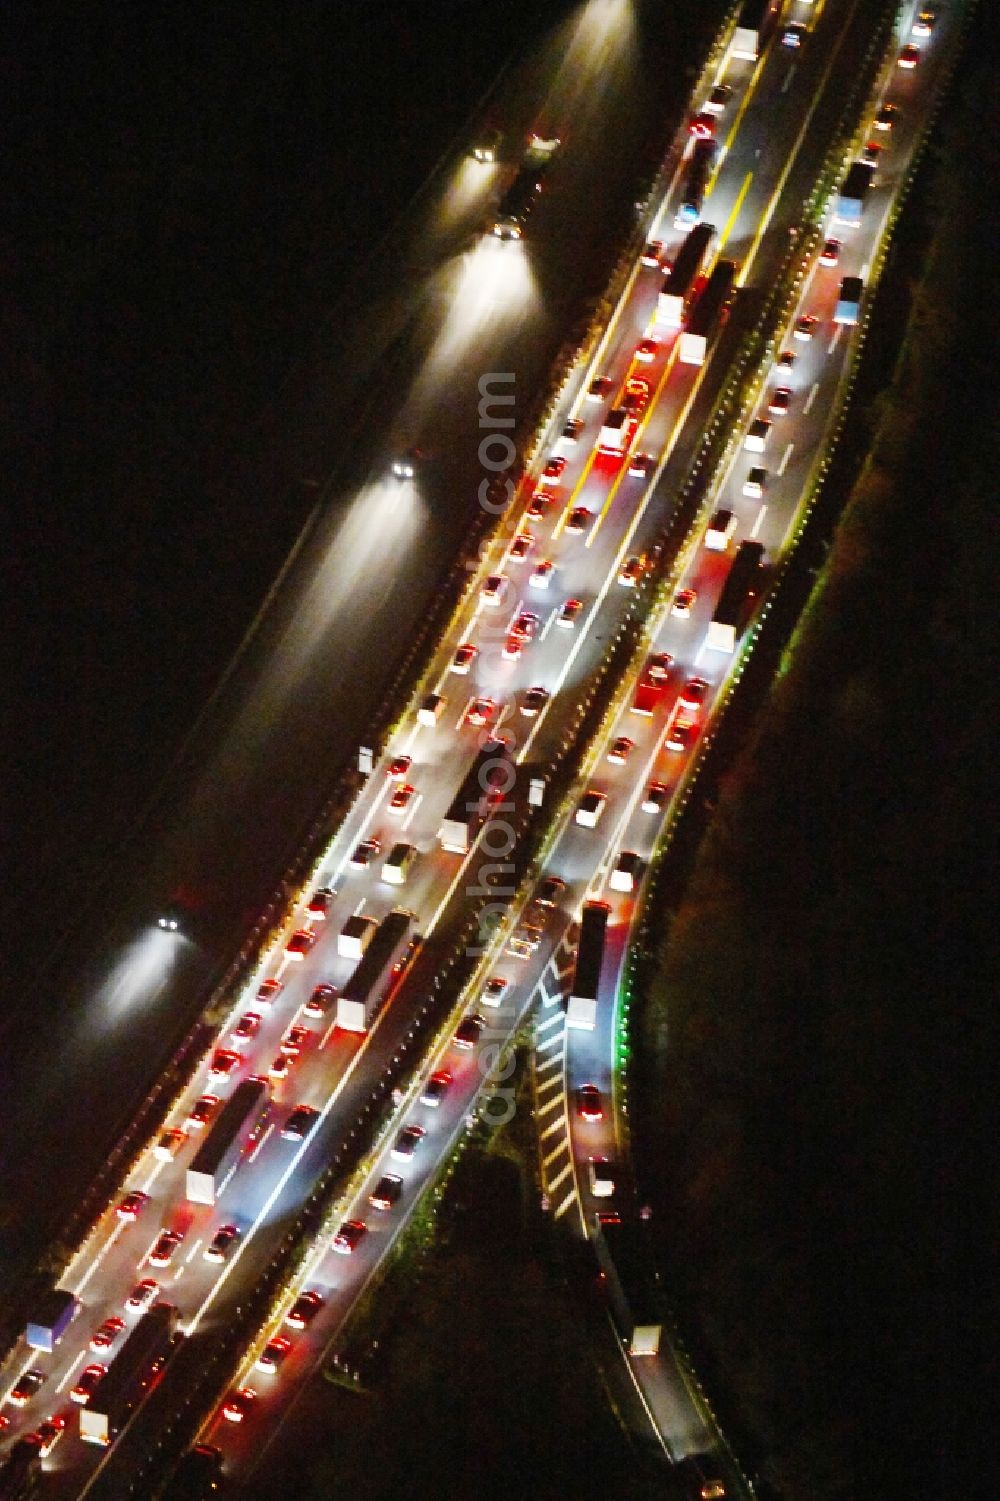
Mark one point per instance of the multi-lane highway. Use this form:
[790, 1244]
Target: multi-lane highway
[768, 144]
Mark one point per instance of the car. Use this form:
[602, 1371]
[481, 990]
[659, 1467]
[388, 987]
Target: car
[794, 35]
[463, 659]
[320, 1000]
[400, 800]
[647, 350]
[786, 359]
[169, 1143]
[299, 1123]
[656, 798]
[641, 465]
[221, 1243]
[468, 1031]
[602, 1179]
[626, 872]
[588, 1103]
[273, 1354]
[481, 711]
[924, 24]
[280, 1067]
[534, 701]
[621, 749]
[631, 573]
[202, 1111]
[571, 430]
[269, 991]
[600, 386]
[164, 1248]
[495, 989]
[578, 519]
[520, 547]
[908, 57]
[406, 1143]
[702, 125]
[830, 254]
[651, 254]
[436, 1088]
[247, 1027]
[755, 483]
[680, 731]
[717, 100]
[105, 1334]
[398, 767]
[349, 1237]
[299, 944]
[525, 941]
[48, 1434]
[305, 1308]
[142, 1293]
[294, 1041]
[637, 393]
[25, 1387]
[780, 401]
[487, 147]
[87, 1385]
[386, 1192]
[592, 805]
[239, 1404]
[683, 603]
[886, 118]
[550, 891]
[222, 1063]
[658, 667]
[555, 467]
[404, 466]
[525, 627]
[224, 1060]
[130, 1207]
[539, 505]
[364, 853]
[321, 900]
[566, 618]
[805, 327]
[494, 589]
[692, 696]
[541, 575]
[871, 155]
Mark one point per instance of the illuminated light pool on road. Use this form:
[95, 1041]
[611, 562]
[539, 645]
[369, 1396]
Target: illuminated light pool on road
[140, 975]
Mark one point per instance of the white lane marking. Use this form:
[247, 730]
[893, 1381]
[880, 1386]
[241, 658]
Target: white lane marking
[555, 1126]
[360, 907]
[545, 1064]
[260, 1145]
[180, 1273]
[68, 1376]
[549, 1105]
[810, 398]
[562, 1174]
[194, 1250]
[836, 339]
[542, 1086]
[549, 623]
[557, 1151]
[413, 811]
[785, 457]
[757, 524]
[158, 1167]
[78, 1289]
[152, 1243]
[550, 1021]
[459, 722]
[565, 1204]
[329, 1031]
[788, 78]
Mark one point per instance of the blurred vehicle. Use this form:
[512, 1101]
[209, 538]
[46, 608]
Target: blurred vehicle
[239, 1404]
[131, 1206]
[299, 1123]
[202, 1112]
[464, 657]
[221, 1243]
[588, 1103]
[349, 1236]
[299, 944]
[386, 1192]
[305, 1308]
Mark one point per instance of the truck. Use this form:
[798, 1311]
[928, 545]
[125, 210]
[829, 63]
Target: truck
[621, 1243]
[365, 991]
[355, 936]
[853, 192]
[650, 687]
[488, 778]
[680, 281]
[131, 1374]
[198, 1477]
[50, 1317]
[749, 26]
[848, 309]
[19, 1471]
[699, 170]
[582, 1009]
[237, 1130]
[740, 588]
[618, 431]
[708, 314]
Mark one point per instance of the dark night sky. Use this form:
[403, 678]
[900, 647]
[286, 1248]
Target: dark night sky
[192, 192]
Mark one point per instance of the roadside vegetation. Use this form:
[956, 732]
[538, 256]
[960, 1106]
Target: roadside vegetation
[810, 1095]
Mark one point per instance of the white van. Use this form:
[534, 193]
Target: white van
[397, 866]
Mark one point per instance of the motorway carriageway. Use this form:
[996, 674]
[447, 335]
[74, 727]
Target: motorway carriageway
[267, 1191]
